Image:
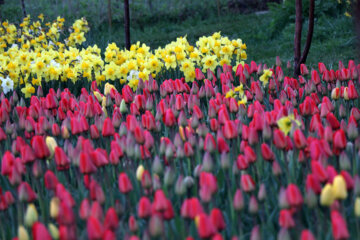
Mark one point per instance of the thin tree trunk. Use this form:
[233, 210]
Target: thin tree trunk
[150, 5]
[1, 3]
[357, 24]
[218, 7]
[23, 7]
[127, 24]
[109, 14]
[297, 40]
[310, 32]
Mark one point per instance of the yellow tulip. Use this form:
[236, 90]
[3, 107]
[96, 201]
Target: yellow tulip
[339, 187]
[54, 232]
[327, 195]
[31, 215]
[139, 172]
[357, 207]
[54, 207]
[51, 144]
[22, 233]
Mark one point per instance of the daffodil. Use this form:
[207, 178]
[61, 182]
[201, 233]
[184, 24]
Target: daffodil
[286, 123]
[230, 94]
[7, 84]
[28, 90]
[264, 78]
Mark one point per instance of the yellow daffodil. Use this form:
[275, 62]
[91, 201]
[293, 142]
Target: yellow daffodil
[28, 90]
[264, 78]
[286, 123]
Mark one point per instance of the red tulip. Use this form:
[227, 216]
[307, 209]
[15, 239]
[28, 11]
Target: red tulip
[229, 129]
[61, 160]
[242, 163]
[339, 139]
[247, 183]
[299, 139]
[94, 228]
[267, 153]
[39, 232]
[190, 208]
[111, 219]
[94, 132]
[86, 164]
[205, 227]
[307, 235]
[160, 201]
[294, 196]
[125, 185]
[108, 128]
[50, 180]
[40, 149]
[217, 219]
[313, 183]
[144, 208]
[169, 118]
[339, 227]
[285, 219]
[25, 193]
[279, 139]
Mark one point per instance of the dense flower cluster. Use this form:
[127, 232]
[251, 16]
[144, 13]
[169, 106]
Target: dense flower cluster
[33, 54]
[239, 151]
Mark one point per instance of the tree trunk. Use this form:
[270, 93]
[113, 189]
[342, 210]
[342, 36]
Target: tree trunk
[297, 40]
[1, 3]
[218, 7]
[127, 24]
[310, 32]
[23, 8]
[150, 5]
[109, 14]
[357, 25]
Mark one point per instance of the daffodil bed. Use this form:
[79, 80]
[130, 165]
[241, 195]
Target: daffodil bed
[181, 142]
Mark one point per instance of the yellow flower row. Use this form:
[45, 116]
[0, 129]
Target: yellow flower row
[32, 53]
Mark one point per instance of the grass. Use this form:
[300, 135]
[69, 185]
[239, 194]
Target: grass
[333, 40]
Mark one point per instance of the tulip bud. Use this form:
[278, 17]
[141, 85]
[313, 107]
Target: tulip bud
[225, 161]
[207, 163]
[180, 187]
[139, 172]
[156, 226]
[327, 195]
[51, 144]
[31, 215]
[238, 201]
[344, 161]
[54, 231]
[339, 187]
[157, 167]
[169, 176]
[357, 185]
[189, 182]
[283, 234]
[65, 132]
[253, 205]
[54, 207]
[123, 107]
[357, 207]
[283, 201]
[262, 192]
[133, 226]
[310, 198]
[22, 233]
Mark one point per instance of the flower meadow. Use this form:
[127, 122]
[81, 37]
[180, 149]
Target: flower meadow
[181, 142]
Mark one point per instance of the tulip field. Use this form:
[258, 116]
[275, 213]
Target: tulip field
[187, 141]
